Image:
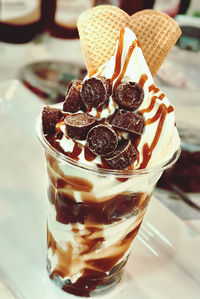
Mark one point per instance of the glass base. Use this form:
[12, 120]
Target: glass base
[88, 285]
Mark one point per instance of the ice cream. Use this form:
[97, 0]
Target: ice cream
[106, 147]
[159, 139]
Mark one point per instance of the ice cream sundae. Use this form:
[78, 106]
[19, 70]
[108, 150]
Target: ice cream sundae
[106, 146]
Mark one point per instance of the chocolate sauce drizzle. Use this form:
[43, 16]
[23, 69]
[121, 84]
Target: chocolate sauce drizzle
[97, 268]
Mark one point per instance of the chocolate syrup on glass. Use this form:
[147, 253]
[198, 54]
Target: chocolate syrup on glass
[94, 214]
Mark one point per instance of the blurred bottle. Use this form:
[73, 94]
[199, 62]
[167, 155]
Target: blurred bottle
[176, 7]
[170, 7]
[61, 16]
[190, 7]
[20, 20]
[131, 6]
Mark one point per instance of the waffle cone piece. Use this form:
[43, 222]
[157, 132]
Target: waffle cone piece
[157, 34]
[99, 30]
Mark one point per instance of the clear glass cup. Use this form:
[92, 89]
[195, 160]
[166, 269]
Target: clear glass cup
[93, 218]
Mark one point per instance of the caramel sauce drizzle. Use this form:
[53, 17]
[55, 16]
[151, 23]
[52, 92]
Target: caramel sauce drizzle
[101, 71]
[150, 107]
[89, 156]
[62, 180]
[118, 56]
[170, 109]
[153, 88]
[91, 73]
[65, 257]
[76, 151]
[108, 108]
[127, 59]
[78, 184]
[136, 146]
[99, 111]
[58, 126]
[115, 105]
[147, 151]
[161, 96]
[143, 79]
[158, 114]
[161, 113]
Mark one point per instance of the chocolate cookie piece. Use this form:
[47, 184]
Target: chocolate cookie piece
[102, 140]
[78, 125]
[50, 117]
[96, 91]
[123, 156]
[73, 102]
[128, 121]
[129, 95]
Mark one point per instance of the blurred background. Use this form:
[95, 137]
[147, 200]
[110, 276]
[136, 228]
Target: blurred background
[40, 53]
[39, 41]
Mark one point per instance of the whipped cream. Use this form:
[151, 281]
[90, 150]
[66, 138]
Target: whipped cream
[160, 139]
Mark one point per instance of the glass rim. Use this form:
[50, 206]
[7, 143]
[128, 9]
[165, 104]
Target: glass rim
[118, 173]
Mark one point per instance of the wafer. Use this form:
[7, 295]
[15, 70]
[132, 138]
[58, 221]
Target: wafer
[99, 30]
[157, 34]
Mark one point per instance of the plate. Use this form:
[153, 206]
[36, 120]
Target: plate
[165, 259]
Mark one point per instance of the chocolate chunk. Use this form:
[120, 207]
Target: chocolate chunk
[78, 125]
[102, 140]
[129, 95]
[50, 117]
[72, 83]
[73, 102]
[96, 91]
[134, 137]
[128, 121]
[123, 156]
